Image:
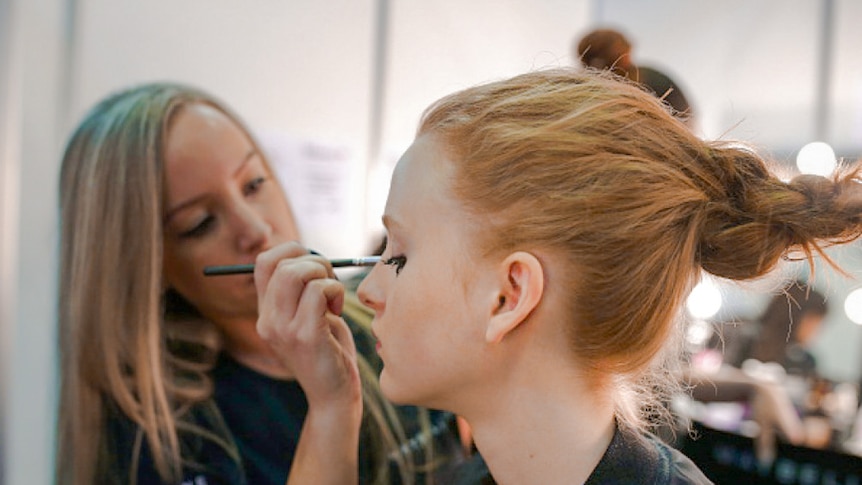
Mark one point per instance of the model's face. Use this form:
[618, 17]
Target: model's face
[430, 303]
[223, 206]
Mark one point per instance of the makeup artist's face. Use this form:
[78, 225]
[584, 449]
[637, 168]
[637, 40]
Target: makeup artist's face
[223, 206]
[430, 306]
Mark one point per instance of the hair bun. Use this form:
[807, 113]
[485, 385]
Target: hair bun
[818, 190]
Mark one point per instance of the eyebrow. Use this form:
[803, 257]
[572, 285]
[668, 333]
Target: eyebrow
[170, 213]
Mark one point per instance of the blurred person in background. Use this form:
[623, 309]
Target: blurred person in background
[786, 330]
[774, 350]
[609, 49]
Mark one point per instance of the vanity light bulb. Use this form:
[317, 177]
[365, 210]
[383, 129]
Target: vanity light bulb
[816, 158]
[704, 301]
[853, 306]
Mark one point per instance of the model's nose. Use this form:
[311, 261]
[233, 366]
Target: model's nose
[368, 291]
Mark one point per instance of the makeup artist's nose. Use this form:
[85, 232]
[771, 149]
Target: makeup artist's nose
[253, 232]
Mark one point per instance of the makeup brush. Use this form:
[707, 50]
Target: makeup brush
[249, 268]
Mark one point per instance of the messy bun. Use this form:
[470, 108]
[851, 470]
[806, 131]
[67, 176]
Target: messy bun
[755, 218]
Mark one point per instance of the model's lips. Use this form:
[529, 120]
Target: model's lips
[377, 344]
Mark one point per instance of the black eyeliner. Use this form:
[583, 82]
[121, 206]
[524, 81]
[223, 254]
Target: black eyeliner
[397, 261]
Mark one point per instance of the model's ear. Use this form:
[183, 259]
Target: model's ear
[519, 288]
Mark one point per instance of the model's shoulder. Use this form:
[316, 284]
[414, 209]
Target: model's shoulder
[635, 457]
[680, 469]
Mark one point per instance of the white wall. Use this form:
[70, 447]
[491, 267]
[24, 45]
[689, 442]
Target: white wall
[845, 108]
[739, 62]
[32, 106]
[8, 218]
[441, 46]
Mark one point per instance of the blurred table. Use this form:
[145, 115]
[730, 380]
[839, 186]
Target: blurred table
[728, 458]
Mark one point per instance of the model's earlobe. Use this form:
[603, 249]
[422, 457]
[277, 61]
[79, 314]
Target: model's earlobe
[520, 285]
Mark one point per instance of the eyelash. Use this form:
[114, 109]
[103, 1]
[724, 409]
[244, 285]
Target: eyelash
[254, 186]
[251, 188]
[199, 230]
[397, 261]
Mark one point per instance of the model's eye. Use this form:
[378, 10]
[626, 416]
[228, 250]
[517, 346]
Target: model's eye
[200, 229]
[397, 261]
[254, 186]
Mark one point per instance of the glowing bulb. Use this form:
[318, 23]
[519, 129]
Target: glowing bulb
[816, 158]
[853, 306]
[704, 301]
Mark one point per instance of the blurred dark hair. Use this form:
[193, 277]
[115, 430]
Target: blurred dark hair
[780, 321]
[604, 49]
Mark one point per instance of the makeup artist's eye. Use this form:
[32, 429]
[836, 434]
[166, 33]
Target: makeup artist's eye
[253, 186]
[200, 229]
[397, 261]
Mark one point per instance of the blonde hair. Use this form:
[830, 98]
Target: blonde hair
[592, 168]
[124, 345]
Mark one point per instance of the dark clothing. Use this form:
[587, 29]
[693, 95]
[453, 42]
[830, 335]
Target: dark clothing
[630, 459]
[267, 432]
[662, 85]
[258, 420]
[729, 458]
[265, 416]
[214, 464]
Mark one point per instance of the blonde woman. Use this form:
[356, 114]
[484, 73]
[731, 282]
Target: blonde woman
[543, 232]
[165, 378]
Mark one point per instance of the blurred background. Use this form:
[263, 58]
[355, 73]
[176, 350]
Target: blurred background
[334, 90]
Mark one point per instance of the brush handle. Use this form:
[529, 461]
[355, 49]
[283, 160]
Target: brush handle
[249, 268]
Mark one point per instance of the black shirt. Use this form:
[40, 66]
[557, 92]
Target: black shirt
[206, 461]
[630, 459]
[261, 418]
[265, 416]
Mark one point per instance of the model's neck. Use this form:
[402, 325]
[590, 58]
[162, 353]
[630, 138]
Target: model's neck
[533, 433]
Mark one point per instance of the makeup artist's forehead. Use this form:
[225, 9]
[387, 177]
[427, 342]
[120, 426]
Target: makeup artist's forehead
[203, 138]
[200, 130]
